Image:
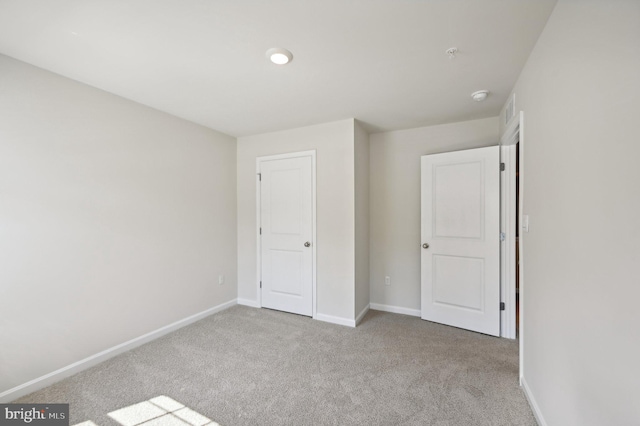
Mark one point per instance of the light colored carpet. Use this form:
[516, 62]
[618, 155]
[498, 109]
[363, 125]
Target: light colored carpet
[248, 366]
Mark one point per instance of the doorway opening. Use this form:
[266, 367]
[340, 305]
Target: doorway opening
[510, 222]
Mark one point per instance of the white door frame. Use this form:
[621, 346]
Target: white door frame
[259, 160]
[512, 135]
[508, 243]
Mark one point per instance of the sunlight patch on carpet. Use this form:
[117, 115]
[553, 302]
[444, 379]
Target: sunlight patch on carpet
[158, 411]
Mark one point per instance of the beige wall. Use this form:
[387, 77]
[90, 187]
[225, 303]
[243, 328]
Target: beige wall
[579, 92]
[395, 203]
[361, 148]
[334, 147]
[115, 220]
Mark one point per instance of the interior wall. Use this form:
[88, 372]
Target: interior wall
[335, 227]
[115, 220]
[579, 92]
[361, 147]
[395, 204]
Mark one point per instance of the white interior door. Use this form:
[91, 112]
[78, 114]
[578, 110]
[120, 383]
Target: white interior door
[286, 236]
[461, 239]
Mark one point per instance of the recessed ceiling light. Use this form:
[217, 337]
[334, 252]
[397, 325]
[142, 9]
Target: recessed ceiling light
[279, 56]
[480, 95]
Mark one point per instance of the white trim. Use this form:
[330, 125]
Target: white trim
[521, 291]
[395, 309]
[311, 152]
[258, 234]
[88, 362]
[335, 320]
[248, 302]
[314, 253]
[315, 239]
[362, 314]
[508, 211]
[537, 413]
[513, 134]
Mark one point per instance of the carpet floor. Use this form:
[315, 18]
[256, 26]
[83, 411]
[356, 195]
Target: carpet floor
[247, 366]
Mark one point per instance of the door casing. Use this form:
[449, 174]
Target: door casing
[513, 135]
[508, 244]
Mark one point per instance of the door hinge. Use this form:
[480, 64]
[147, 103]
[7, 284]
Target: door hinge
[260, 177]
[503, 236]
[260, 284]
[502, 166]
[260, 230]
[502, 306]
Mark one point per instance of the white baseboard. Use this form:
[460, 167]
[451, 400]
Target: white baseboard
[362, 314]
[78, 366]
[248, 302]
[532, 403]
[335, 320]
[320, 317]
[395, 309]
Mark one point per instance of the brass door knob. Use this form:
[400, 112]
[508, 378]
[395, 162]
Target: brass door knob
[425, 246]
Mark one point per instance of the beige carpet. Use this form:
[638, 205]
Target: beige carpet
[248, 366]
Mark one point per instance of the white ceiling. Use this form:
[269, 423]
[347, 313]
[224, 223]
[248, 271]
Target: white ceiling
[380, 61]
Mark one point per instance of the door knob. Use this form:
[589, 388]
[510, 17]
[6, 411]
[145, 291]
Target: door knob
[307, 244]
[425, 246]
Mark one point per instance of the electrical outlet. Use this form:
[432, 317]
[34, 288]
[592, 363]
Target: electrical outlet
[387, 280]
[221, 279]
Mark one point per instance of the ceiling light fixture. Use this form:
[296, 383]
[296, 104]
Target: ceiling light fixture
[480, 95]
[279, 56]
